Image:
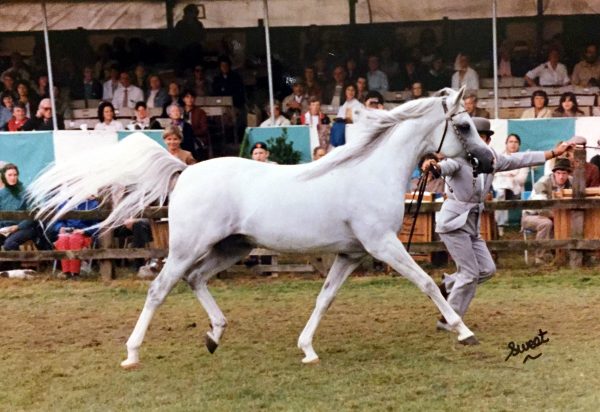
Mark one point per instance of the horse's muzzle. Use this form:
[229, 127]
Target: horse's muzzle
[482, 160]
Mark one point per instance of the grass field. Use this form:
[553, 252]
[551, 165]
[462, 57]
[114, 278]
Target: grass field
[61, 344]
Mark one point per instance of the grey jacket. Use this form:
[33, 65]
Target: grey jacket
[468, 193]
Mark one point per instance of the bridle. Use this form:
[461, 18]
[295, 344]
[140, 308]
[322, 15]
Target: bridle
[422, 183]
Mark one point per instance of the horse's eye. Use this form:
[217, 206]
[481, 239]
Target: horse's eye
[463, 127]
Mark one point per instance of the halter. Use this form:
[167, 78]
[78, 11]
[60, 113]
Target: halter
[422, 183]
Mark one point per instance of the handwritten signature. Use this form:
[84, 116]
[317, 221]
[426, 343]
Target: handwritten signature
[517, 349]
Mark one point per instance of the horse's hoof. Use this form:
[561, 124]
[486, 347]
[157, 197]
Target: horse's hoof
[211, 345]
[129, 366]
[470, 341]
[311, 361]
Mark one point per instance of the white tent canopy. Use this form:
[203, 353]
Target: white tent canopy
[152, 14]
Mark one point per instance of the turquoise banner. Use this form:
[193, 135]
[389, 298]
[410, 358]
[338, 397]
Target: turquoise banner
[30, 151]
[155, 135]
[299, 136]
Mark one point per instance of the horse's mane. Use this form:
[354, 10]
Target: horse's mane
[374, 124]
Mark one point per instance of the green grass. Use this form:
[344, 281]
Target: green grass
[61, 344]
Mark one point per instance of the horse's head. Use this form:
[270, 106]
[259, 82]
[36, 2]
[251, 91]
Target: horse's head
[460, 137]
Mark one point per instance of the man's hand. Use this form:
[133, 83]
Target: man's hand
[562, 148]
[429, 164]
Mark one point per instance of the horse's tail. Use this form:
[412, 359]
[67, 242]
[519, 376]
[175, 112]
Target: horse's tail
[132, 174]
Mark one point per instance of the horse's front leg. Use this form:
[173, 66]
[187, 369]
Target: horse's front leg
[342, 267]
[390, 250]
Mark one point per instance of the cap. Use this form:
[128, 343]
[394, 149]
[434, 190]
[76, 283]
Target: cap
[562, 163]
[578, 140]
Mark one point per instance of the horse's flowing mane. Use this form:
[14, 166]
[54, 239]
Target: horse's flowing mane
[373, 123]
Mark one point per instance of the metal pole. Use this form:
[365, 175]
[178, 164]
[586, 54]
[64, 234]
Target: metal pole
[49, 64]
[495, 57]
[269, 70]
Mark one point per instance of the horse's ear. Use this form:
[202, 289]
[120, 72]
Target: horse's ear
[459, 96]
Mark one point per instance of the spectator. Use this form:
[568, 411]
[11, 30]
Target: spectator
[592, 173]
[541, 221]
[8, 81]
[567, 106]
[18, 120]
[24, 98]
[173, 97]
[351, 70]
[260, 152]
[156, 95]
[126, 95]
[173, 138]
[229, 83]
[349, 110]
[42, 87]
[110, 86]
[142, 119]
[18, 69]
[313, 88]
[377, 79]
[106, 116]
[464, 74]
[197, 118]
[388, 64]
[140, 77]
[551, 73]
[586, 73]
[472, 109]
[199, 83]
[6, 108]
[417, 91]
[12, 198]
[362, 88]
[141, 235]
[296, 103]
[539, 106]
[318, 152]
[437, 77]
[43, 118]
[521, 59]
[88, 88]
[504, 61]
[314, 115]
[74, 234]
[510, 184]
[335, 92]
[280, 120]
[175, 115]
[410, 72]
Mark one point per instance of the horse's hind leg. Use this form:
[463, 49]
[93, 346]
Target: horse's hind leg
[222, 256]
[168, 277]
[342, 267]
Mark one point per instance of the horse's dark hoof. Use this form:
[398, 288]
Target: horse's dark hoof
[470, 341]
[211, 345]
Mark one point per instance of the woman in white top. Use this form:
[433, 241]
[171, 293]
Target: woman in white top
[510, 184]
[464, 74]
[106, 115]
[351, 106]
[539, 106]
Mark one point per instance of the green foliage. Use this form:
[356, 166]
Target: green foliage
[282, 151]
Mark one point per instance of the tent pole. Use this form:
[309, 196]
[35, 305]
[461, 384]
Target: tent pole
[269, 70]
[495, 56]
[49, 64]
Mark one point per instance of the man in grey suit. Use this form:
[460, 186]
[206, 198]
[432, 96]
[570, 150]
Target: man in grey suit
[458, 221]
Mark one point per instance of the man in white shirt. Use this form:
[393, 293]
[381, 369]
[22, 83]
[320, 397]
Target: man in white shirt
[109, 86]
[551, 73]
[377, 80]
[280, 120]
[126, 95]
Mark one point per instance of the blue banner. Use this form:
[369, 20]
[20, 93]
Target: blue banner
[30, 151]
[299, 136]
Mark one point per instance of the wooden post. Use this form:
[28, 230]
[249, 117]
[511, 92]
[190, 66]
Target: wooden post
[106, 265]
[577, 215]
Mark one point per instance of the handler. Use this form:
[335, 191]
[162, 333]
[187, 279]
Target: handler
[458, 221]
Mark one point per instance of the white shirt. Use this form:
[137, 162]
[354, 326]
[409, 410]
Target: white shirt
[470, 80]
[134, 95]
[280, 121]
[378, 81]
[108, 89]
[549, 76]
[354, 105]
[151, 97]
[113, 126]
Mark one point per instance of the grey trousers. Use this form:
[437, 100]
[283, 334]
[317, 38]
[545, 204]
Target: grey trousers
[474, 263]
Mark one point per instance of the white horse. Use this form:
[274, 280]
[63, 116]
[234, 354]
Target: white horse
[351, 202]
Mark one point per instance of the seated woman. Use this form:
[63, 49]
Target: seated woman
[173, 138]
[74, 234]
[539, 106]
[106, 115]
[351, 104]
[567, 106]
[12, 198]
